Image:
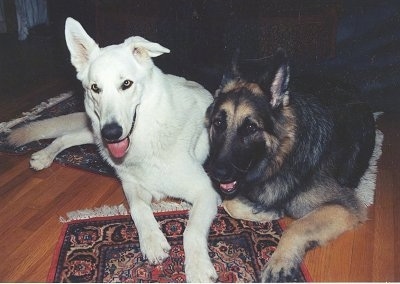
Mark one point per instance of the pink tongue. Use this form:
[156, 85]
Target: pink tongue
[228, 186]
[118, 149]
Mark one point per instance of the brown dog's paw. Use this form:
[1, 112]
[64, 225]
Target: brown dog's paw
[282, 271]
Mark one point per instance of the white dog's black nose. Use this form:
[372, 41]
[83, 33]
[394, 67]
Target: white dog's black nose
[111, 131]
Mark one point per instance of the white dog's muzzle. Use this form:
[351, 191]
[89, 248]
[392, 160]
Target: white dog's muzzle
[119, 148]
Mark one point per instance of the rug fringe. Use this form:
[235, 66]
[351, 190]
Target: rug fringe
[103, 211]
[5, 127]
[164, 206]
[366, 188]
[119, 210]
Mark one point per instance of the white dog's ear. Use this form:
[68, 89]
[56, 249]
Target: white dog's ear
[79, 43]
[153, 49]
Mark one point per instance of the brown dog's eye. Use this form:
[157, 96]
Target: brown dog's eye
[219, 123]
[126, 84]
[249, 127]
[95, 88]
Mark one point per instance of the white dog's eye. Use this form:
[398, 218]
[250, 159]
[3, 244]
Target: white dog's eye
[126, 84]
[95, 88]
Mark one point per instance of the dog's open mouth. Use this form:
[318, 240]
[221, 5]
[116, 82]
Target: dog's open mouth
[228, 188]
[119, 148]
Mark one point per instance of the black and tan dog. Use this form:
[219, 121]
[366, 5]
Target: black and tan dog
[276, 150]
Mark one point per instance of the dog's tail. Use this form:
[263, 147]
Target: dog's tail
[48, 128]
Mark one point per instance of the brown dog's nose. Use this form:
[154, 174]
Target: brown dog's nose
[219, 171]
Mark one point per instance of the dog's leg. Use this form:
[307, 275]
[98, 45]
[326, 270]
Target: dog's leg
[199, 192]
[318, 227]
[153, 244]
[240, 208]
[43, 158]
[48, 128]
[198, 265]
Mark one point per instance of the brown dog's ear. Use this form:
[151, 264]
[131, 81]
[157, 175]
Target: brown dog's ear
[276, 80]
[232, 72]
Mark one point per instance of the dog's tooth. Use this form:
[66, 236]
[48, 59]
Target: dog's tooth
[228, 186]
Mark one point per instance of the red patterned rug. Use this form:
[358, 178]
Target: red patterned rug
[107, 249]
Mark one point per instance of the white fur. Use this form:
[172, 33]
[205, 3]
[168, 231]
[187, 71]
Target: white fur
[169, 142]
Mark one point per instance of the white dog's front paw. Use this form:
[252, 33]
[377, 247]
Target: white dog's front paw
[40, 160]
[201, 271]
[154, 246]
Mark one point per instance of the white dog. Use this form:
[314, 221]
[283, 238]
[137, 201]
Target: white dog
[150, 127]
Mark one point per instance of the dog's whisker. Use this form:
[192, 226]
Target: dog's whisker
[240, 169]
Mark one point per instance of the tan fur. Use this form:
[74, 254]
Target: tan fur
[235, 85]
[283, 145]
[289, 128]
[317, 228]
[236, 114]
[240, 210]
[229, 108]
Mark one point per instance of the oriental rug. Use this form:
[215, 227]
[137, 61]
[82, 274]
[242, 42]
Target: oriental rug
[106, 249]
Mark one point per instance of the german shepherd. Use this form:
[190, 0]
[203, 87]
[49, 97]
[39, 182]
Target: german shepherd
[276, 150]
